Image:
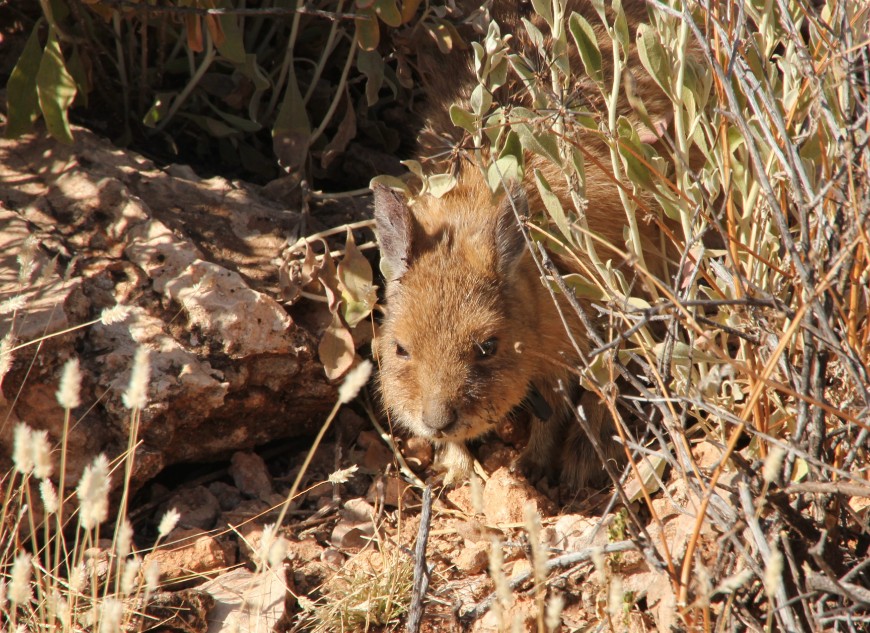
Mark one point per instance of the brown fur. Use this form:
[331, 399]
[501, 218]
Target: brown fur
[460, 276]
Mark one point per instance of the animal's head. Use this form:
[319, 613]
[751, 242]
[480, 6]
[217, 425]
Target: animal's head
[457, 349]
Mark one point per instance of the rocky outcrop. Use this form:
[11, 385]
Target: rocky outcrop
[86, 227]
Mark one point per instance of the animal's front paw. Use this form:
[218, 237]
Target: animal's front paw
[456, 462]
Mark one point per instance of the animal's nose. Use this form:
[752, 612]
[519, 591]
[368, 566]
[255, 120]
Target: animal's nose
[438, 416]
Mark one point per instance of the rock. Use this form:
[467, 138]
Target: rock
[198, 507]
[573, 532]
[184, 611]
[496, 455]
[250, 475]
[390, 490]
[332, 557]
[245, 602]
[228, 496]
[305, 551]
[355, 526]
[186, 554]
[519, 616]
[192, 259]
[473, 559]
[461, 497]
[505, 497]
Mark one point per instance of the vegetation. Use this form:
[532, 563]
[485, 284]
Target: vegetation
[757, 345]
[765, 351]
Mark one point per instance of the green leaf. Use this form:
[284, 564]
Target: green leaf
[158, 109]
[541, 144]
[512, 147]
[545, 9]
[620, 25]
[233, 45]
[409, 10]
[355, 280]
[239, 123]
[77, 68]
[505, 169]
[587, 45]
[56, 89]
[392, 182]
[292, 130]
[440, 184]
[654, 57]
[371, 64]
[535, 35]
[481, 100]
[214, 127]
[389, 13]
[579, 164]
[442, 35]
[252, 71]
[367, 30]
[22, 100]
[464, 119]
[634, 154]
[553, 205]
[583, 288]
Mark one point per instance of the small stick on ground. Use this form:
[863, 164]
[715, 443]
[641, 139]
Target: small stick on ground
[421, 570]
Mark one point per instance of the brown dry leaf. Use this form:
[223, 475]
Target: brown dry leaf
[336, 350]
[194, 33]
[294, 276]
[329, 280]
[214, 27]
[310, 266]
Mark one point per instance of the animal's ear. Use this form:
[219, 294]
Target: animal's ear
[394, 225]
[509, 241]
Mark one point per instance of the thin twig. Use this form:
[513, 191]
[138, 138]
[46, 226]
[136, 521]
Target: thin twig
[422, 571]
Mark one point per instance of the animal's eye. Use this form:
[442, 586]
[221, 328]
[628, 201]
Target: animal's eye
[401, 352]
[488, 348]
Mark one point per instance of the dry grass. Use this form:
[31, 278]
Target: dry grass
[757, 341]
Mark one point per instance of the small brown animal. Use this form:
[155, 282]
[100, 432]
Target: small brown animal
[471, 332]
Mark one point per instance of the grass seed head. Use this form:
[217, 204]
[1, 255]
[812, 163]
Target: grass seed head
[6, 355]
[20, 590]
[42, 465]
[93, 493]
[773, 572]
[130, 576]
[111, 615]
[124, 539]
[355, 380]
[168, 522]
[116, 314]
[136, 396]
[49, 496]
[68, 394]
[22, 449]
